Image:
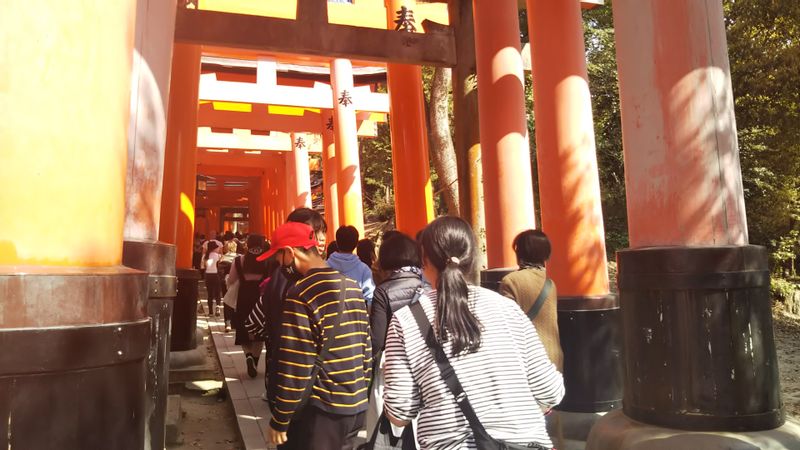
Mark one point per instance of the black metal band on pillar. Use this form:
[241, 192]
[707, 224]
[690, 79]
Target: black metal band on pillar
[700, 351]
[589, 330]
[73, 359]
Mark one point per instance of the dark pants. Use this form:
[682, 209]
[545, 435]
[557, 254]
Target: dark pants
[314, 429]
[213, 288]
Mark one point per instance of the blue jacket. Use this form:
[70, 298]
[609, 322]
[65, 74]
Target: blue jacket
[352, 267]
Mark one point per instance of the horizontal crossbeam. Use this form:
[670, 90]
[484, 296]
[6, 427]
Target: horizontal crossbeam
[269, 34]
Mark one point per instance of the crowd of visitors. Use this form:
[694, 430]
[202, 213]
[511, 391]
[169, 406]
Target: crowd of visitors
[394, 341]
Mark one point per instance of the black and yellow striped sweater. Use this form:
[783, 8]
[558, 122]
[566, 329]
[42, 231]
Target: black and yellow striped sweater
[310, 308]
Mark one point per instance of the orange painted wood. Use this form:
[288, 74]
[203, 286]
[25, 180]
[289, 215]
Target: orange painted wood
[508, 187]
[682, 172]
[347, 158]
[569, 185]
[413, 193]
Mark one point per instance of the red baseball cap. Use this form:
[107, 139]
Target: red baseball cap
[290, 234]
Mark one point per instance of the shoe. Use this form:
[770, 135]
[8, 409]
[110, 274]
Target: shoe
[251, 366]
[264, 397]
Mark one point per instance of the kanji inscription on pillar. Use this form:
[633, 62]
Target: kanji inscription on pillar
[329, 124]
[345, 99]
[300, 143]
[405, 20]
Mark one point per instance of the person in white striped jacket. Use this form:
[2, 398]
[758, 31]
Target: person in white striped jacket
[491, 344]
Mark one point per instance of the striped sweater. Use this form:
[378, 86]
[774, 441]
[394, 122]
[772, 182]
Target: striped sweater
[507, 380]
[342, 386]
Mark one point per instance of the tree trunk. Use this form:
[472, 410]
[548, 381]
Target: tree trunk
[443, 152]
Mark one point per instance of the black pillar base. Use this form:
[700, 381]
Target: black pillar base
[76, 387]
[184, 312]
[589, 329]
[700, 351]
[158, 259]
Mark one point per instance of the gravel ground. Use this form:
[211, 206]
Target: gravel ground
[787, 343]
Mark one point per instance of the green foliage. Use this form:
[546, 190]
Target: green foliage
[782, 289]
[376, 175]
[764, 49]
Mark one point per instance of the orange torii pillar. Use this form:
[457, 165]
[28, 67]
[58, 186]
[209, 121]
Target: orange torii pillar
[256, 208]
[178, 195]
[152, 60]
[73, 321]
[508, 188]
[569, 195]
[329, 171]
[697, 322]
[299, 186]
[351, 209]
[413, 195]
[274, 188]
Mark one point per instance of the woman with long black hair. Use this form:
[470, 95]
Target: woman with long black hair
[488, 340]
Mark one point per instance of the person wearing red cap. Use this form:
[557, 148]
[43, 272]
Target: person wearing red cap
[324, 356]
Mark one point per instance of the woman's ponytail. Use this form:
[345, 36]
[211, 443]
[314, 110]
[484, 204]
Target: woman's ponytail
[449, 244]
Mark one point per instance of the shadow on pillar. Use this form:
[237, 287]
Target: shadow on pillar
[184, 311]
[700, 351]
[158, 260]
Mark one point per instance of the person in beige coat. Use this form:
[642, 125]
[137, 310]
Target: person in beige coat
[524, 286]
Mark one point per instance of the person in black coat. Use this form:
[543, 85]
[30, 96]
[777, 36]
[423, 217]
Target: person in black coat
[399, 258]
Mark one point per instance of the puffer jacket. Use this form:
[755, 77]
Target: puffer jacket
[395, 292]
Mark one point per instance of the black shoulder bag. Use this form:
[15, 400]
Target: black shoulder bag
[483, 440]
[326, 346]
[537, 305]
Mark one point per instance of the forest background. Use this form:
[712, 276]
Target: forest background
[764, 50]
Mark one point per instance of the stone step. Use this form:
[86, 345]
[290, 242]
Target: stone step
[173, 420]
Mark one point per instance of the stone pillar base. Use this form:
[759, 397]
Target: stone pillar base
[616, 431]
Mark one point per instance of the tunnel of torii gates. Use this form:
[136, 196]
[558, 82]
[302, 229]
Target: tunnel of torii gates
[111, 116]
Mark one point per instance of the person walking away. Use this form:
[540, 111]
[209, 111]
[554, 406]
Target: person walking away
[212, 278]
[252, 273]
[347, 263]
[491, 345]
[537, 296]
[265, 318]
[399, 258]
[324, 358]
[365, 250]
[224, 268]
[526, 285]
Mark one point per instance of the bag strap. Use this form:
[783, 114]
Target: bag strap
[537, 305]
[326, 346]
[448, 373]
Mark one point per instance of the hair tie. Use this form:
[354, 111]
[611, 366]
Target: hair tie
[453, 262]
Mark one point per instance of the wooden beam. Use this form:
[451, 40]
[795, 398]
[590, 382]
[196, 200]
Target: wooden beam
[269, 34]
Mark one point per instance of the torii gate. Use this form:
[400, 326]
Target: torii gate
[84, 195]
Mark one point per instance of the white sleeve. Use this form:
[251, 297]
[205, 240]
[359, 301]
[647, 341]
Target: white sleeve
[401, 394]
